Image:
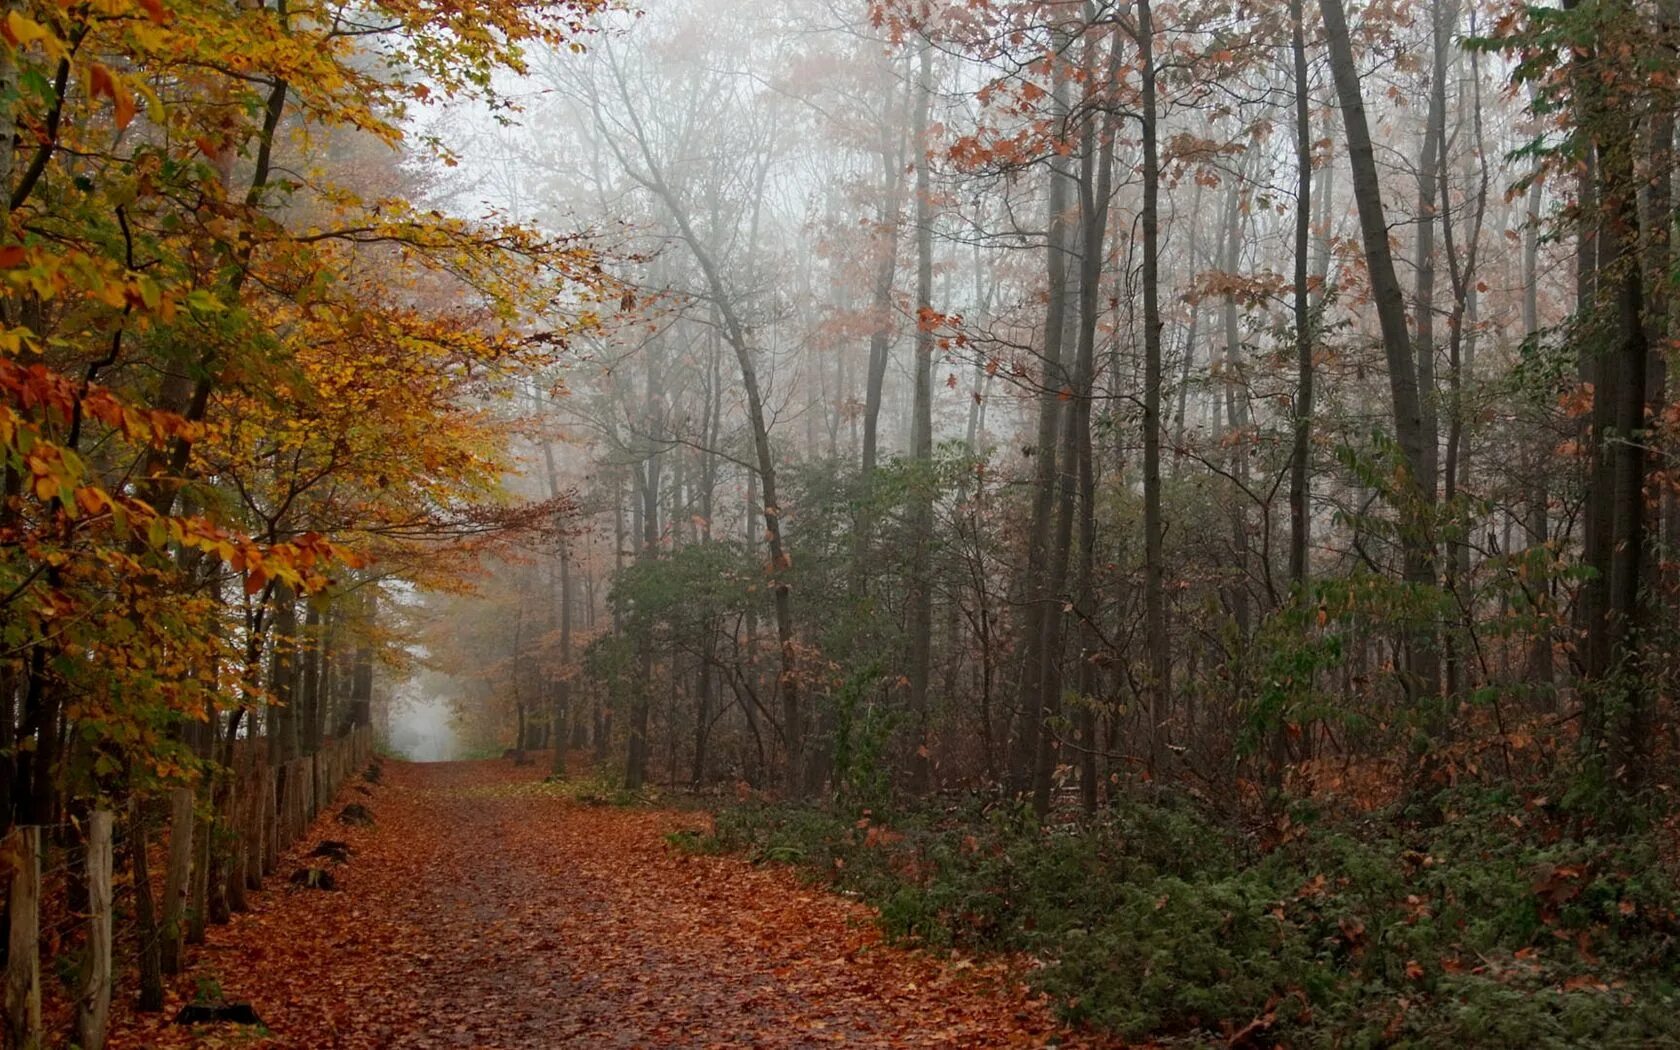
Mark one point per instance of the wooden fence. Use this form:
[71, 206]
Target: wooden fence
[268, 807]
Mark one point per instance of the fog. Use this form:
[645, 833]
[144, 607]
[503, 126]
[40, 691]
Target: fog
[422, 729]
[988, 379]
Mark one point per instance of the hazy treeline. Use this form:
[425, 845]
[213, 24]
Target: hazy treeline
[1072, 392]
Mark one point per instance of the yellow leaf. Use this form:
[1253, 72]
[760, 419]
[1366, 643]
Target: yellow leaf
[21, 30]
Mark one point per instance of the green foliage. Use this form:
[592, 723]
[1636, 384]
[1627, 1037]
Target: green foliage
[687, 591]
[207, 989]
[1293, 650]
[862, 732]
[609, 660]
[597, 788]
[1491, 929]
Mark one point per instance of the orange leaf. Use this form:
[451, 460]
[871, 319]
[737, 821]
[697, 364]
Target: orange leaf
[101, 81]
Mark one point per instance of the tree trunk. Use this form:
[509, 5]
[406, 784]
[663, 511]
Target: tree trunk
[361, 672]
[636, 760]
[1159, 685]
[1417, 493]
[563, 688]
[1623, 380]
[920, 611]
[1461, 358]
[1300, 454]
[1538, 511]
[1429, 199]
[1078, 487]
[1617, 696]
[880, 338]
[309, 702]
[284, 737]
[1036, 596]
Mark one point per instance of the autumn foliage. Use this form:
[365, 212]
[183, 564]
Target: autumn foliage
[246, 374]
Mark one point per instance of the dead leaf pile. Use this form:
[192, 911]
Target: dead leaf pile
[479, 913]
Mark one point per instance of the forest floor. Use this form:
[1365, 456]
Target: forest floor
[486, 908]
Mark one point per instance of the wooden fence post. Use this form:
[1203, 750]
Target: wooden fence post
[283, 836]
[245, 831]
[271, 820]
[93, 1010]
[235, 874]
[23, 959]
[294, 800]
[251, 829]
[301, 803]
[177, 881]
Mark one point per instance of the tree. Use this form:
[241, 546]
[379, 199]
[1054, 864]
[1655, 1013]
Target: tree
[1415, 489]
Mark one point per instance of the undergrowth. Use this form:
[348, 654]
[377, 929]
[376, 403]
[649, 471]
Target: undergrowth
[591, 789]
[1490, 928]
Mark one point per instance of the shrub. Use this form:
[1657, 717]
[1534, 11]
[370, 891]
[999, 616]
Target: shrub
[1153, 920]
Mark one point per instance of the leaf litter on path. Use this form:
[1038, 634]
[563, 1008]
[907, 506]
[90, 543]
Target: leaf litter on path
[483, 912]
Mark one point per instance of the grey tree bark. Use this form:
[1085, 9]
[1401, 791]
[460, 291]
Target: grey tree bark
[920, 611]
[1417, 496]
[1035, 597]
[1159, 686]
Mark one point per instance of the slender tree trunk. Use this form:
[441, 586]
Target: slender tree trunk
[1416, 496]
[1156, 638]
[284, 742]
[1657, 229]
[309, 704]
[1035, 594]
[1300, 522]
[921, 448]
[563, 688]
[1538, 514]
[1429, 201]
[636, 760]
[1300, 455]
[1616, 695]
[1077, 478]
[1237, 418]
[1461, 353]
[361, 670]
[1187, 360]
[201, 736]
[880, 338]
[735, 332]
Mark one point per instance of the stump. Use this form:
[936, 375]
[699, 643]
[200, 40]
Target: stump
[334, 850]
[218, 1013]
[314, 879]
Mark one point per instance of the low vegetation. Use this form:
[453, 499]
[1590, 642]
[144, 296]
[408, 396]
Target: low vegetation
[1502, 924]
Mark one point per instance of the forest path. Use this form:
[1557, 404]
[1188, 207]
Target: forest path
[484, 909]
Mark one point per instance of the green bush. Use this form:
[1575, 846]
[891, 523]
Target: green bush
[1153, 920]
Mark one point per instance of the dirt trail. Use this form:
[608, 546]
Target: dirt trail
[484, 910]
